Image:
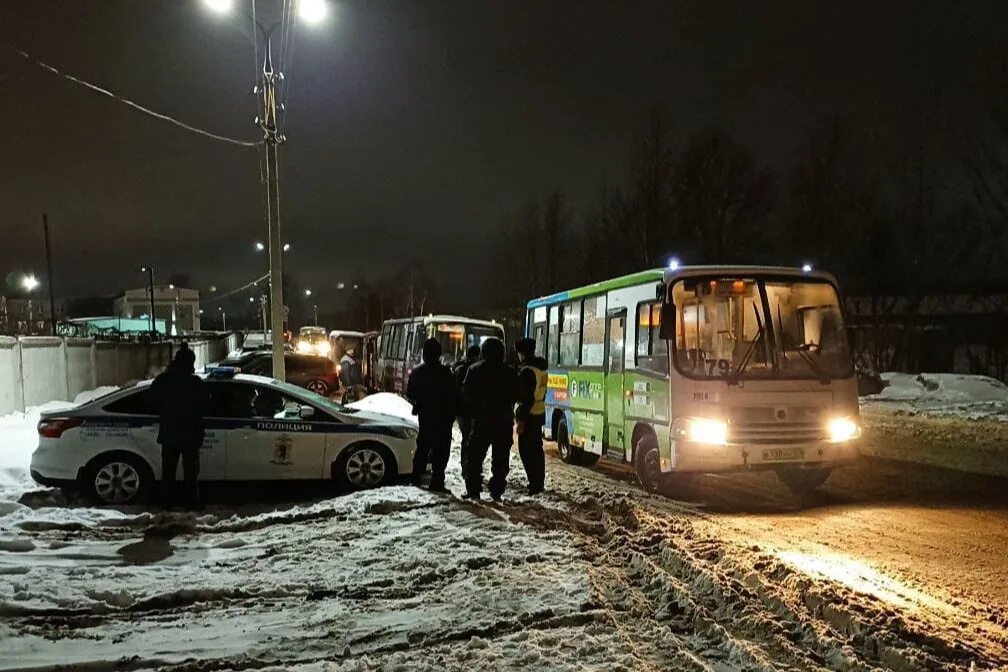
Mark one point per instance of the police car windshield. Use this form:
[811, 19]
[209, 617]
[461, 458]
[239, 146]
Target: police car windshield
[317, 399]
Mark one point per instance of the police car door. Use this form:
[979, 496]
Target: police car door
[274, 443]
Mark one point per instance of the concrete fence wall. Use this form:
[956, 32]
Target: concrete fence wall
[37, 369]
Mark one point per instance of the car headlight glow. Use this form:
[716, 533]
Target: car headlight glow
[323, 348]
[704, 430]
[843, 429]
[304, 346]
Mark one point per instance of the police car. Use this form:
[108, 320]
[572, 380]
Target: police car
[257, 429]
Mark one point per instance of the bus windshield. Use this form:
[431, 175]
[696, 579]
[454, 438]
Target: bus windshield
[456, 338]
[735, 328]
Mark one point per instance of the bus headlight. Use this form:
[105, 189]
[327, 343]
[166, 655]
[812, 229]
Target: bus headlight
[324, 348]
[304, 346]
[703, 430]
[843, 429]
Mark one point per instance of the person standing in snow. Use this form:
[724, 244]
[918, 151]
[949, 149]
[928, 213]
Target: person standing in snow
[490, 390]
[350, 377]
[431, 389]
[180, 398]
[465, 414]
[530, 413]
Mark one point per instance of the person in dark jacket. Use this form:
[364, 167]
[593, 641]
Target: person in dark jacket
[181, 400]
[464, 414]
[530, 413]
[489, 390]
[350, 377]
[431, 389]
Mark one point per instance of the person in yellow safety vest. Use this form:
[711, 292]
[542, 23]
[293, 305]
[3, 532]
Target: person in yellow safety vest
[531, 413]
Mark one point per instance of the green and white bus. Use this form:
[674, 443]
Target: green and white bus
[700, 369]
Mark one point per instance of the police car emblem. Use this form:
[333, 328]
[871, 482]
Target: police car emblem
[282, 451]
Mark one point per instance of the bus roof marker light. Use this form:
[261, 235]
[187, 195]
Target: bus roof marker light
[673, 264]
[806, 268]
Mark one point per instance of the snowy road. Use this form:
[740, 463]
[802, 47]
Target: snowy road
[892, 567]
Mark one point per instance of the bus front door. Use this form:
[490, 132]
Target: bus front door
[615, 403]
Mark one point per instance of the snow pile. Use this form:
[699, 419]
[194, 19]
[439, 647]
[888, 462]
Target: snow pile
[387, 403]
[948, 420]
[19, 439]
[943, 395]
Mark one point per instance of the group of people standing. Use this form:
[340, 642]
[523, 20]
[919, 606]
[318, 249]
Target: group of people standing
[491, 401]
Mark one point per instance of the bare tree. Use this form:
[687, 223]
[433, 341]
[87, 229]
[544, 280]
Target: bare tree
[721, 198]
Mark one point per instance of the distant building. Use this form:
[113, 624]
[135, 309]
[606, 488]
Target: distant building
[19, 315]
[933, 333]
[178, 307]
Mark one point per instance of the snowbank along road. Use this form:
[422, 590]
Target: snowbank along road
[892, 567]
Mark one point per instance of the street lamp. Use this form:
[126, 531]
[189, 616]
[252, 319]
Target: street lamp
[315, 311]
[219, 6]
[223, 315]
[310, 11]
[149, 270]
[307, 292]
[30, 282]
[259, 246]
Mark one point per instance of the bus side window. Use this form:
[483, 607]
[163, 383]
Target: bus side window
[418, 332]
[553, 337]
[570, 334]
[652, 351]
[385, 339]
[537, 320]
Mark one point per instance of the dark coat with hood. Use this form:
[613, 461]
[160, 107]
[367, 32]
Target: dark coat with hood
[491, 387]
[431, 386]
[180, 397]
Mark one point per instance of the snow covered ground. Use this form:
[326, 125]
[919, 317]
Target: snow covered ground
[950, 420]
[594, 575]
[943, 395]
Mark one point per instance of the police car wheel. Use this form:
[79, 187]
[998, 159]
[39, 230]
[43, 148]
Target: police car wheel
[319, 387]
[119, 479]
[365, 466]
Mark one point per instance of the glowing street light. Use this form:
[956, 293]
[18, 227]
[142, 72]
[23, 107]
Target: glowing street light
[219, 6]
[673, 264]
[259, 246]
[312, 11]
[286, 247]
[29, 282]
[806, 268]
[307, 292]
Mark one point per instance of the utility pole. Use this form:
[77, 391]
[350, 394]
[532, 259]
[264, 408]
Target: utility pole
[48, 254]
[262, 307]
[272, 139]
[150, 288]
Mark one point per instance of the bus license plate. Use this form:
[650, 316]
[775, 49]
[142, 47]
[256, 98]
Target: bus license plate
[781, 454]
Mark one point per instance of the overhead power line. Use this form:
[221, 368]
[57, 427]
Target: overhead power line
[220, 297]
[105, 92]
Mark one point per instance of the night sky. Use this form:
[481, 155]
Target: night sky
[414, 126]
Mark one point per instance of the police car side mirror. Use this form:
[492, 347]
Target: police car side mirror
[306, 412]
[668, 318]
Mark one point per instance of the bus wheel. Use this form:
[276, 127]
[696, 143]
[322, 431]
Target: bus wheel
[568, 453]
[646, 464]
[802, 481]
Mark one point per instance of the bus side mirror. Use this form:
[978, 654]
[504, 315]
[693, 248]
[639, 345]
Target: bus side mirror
[668, 318]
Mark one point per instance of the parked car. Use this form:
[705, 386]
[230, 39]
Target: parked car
[318, 374]
[257, 429]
